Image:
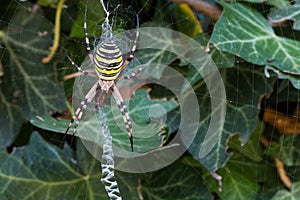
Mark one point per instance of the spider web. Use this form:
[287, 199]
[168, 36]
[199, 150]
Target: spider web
[249, 172]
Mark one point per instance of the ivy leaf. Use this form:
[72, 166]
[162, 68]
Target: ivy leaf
[47, 2]
[286, 195]
[178, 181]
[221, 59]
[146, 133]
[47, 172]
[286, 150]
[284, 93]
[277, 3]
[281, 4]
[140, 108]
[244, 170]
[289, 13]
[244, 85]
[28, 87]
[250, 150]
[234, 177]
[246, 33]
[95, 16]
[41, 171]
[49, 123]
[295, 79]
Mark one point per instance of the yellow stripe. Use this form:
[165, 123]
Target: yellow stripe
[111, 45]
[108, 72]
[116, 60]
[109, 51]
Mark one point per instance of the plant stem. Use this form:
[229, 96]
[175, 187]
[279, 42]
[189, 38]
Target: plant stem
[54, 47]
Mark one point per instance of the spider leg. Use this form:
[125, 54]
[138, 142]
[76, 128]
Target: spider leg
[133, 49]
[137, 34]
[120, 102]
[80, 110]
[133, 74]
[88, 48]
[77, 67]
[132, 52]
[86, 35]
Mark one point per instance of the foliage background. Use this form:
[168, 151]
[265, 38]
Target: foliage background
[253, 43]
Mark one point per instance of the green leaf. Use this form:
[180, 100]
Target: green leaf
[289, 13]
[95, 17]
[238, 179]
[47, 2]
[244, 170]
[177, 181]
[186, 21]
[148, 55]
[28, 87]
[288, 195]
[250, 150]
[284, 93]
[221, 59]
[245, 85]
[146, 135]
[41, 171]
[49, 123]
[246, 33]
[281, 4]
[277, 3]
[139, 109]
[46, 172]
[295, 79]
[286, 150]
[11, 117]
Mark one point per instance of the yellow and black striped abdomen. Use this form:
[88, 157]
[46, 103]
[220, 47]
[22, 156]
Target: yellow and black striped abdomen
[108, 61]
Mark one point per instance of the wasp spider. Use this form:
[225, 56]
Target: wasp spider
[108, 62]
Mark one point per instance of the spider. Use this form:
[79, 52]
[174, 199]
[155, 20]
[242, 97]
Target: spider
[108, 62]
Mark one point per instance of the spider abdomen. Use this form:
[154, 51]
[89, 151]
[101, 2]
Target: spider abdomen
[108, 61]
